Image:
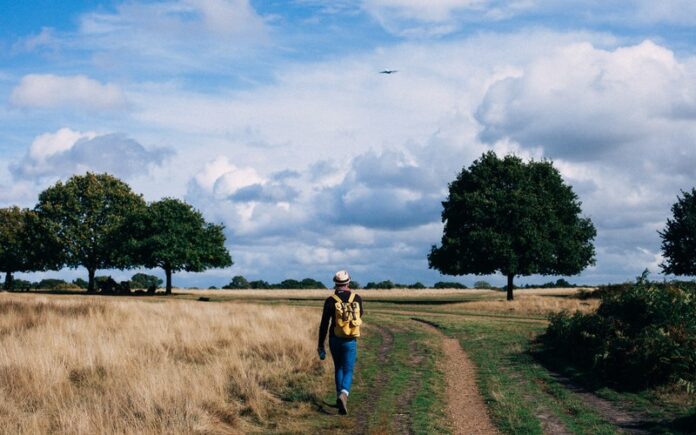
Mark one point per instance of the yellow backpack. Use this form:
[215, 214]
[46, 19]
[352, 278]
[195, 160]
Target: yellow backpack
[347, 317]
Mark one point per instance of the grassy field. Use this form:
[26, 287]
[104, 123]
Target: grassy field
[245, 362]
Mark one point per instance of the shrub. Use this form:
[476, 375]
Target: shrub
[483, 285]
[446, 284]
[309, 283]
[238, 282]
[53, 284]
[641, 335]
[80, 283]
[380, 285]
[22, 284]
[142, 280]
[259, 285]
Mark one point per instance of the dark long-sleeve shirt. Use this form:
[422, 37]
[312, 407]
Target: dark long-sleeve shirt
[327, 316]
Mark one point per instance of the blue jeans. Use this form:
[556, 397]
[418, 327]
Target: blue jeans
[343, 351]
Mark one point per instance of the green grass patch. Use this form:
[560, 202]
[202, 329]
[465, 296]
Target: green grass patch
[518, 389]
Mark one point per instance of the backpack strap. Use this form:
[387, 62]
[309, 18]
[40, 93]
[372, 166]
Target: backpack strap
[351, 297]
[337, 299]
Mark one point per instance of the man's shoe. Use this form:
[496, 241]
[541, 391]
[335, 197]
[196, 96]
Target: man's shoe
[343, 404]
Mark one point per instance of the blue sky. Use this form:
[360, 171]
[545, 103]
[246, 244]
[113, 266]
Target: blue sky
[271, 117]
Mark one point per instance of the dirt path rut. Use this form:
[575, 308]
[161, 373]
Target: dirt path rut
[465, 405]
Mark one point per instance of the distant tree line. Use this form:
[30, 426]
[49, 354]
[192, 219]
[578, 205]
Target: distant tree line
[97, 222]
[137, 281]
[239, 283]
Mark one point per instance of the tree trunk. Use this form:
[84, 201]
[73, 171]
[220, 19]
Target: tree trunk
[91, 284]
[168, 272]
[9, 280]
[509, 286]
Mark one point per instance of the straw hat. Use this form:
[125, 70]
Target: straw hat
[341, 278]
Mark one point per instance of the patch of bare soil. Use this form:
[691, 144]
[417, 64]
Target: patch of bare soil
[550, 423]
[465, 405]
[630, 422]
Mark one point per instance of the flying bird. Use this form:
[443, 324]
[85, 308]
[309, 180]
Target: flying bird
[388, 71]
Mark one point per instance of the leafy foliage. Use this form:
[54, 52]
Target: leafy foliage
[239, 282]
[483, 285]
[174, 236]
[80, 283]
[679, 237]
[389, 285]
[641, 335]
[28, 244]
[86, 213]
[517, 218]
[143, 280]
[448, 284]
[54, 284]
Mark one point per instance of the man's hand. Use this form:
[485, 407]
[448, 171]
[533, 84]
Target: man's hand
[321, 352]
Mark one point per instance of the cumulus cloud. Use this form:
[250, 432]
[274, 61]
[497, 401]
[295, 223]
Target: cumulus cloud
[582, 102]
[387, 190]
[67, 152]
[48, 91]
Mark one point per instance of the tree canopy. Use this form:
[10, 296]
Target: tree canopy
[87, 212]
[172, 235]
[516, 218]
[26, 244]
[679, 237]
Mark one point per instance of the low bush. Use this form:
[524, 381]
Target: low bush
[641, 335]
[483, 285]
[386, 285]
[447, 284]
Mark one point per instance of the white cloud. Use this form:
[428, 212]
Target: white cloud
[222, 179]
[582, 102]
[424, 18]
[66, 152]
[49, 144]
[171, 35]
[48, 91]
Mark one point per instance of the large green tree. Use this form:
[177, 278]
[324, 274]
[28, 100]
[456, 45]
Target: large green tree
[172, 235]
[87, 212]
[516, 218]
[26, 244]
[679, 237]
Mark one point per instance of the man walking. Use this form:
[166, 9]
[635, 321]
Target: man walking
[341, 317]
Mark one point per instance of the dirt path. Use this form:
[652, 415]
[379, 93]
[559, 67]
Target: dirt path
[465, 406]
[627, 421]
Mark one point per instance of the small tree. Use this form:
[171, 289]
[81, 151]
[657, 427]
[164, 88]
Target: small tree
[87, 212]
[26, 244]
[679, 237]
[504, 215]
[143, 280]
[172, 235]
[238, 282]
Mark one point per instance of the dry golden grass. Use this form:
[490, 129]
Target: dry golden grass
[531, 304]
[365, 294]
[85, 366]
